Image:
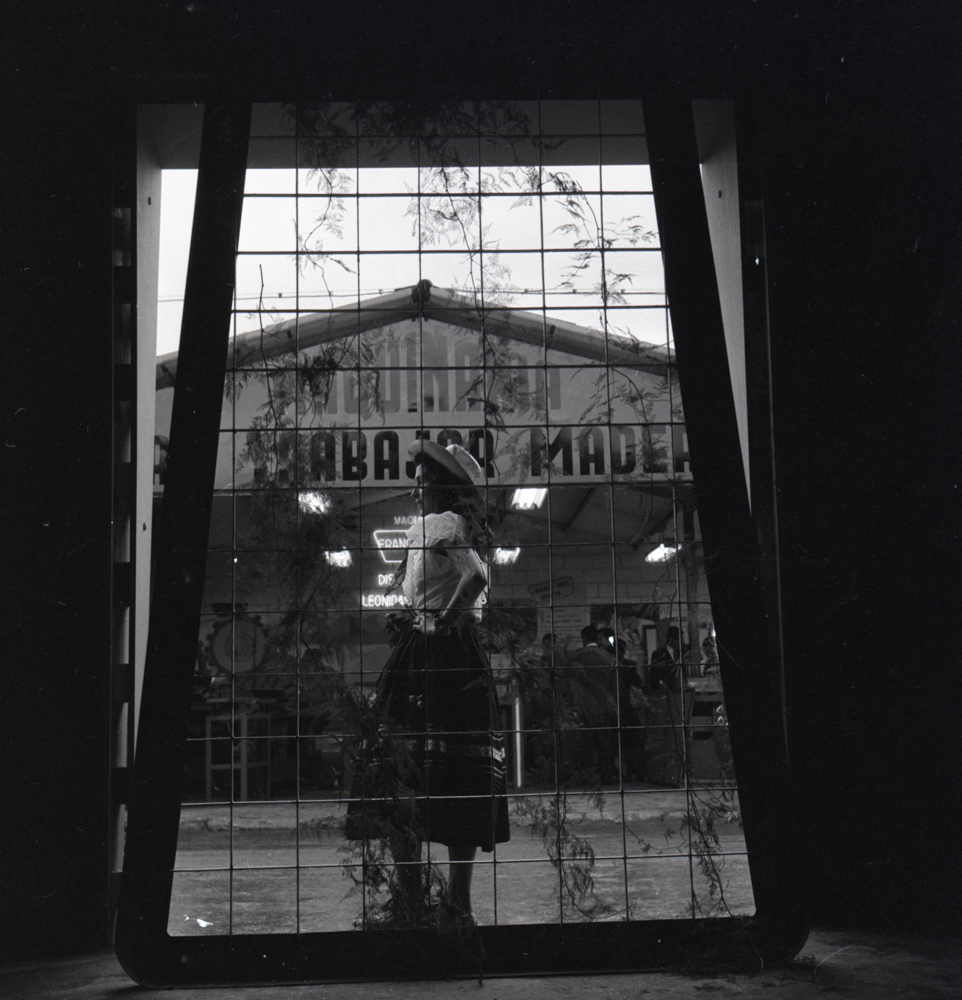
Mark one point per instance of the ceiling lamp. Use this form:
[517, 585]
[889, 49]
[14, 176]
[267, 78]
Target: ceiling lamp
[504, 557]
[662, 553]
[340, 559]
[313, 501]
[529, 497]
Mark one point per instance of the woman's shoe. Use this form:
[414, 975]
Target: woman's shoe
[389, 919]
[379, 922]
[447, 916]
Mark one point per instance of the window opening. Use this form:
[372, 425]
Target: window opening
[486, 276]
[178, 189]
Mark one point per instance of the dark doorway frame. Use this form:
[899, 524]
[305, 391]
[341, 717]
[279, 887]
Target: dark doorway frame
[737, 572]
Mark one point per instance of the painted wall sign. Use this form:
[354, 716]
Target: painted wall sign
[552, 590]
[563, 623]
[575, 453]
[523, 416]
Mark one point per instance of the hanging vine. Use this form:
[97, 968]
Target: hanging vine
[288, 537]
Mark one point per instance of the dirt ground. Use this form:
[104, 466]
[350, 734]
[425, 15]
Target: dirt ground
[833, 965]
[270, 868]
[263, 896]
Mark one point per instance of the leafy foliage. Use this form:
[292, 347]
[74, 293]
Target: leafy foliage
[572, 856]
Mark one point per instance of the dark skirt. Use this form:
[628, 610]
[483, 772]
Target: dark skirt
[435, 769]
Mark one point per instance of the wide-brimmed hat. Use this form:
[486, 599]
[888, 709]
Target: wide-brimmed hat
[459, 462]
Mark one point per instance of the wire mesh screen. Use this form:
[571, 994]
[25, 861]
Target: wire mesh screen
[489, 696]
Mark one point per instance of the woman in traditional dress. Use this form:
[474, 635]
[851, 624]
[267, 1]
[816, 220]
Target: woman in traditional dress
[436, 772]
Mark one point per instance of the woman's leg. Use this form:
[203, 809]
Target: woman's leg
[461, 857]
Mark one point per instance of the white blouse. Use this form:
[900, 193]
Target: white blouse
[431, 579]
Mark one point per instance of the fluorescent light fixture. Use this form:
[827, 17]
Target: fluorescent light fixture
[314, 501]
[504, 557]
[662, 553]
[340, 559]
[529, 497]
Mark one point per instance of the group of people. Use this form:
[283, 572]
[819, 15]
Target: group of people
[607, 689]
[616, 736]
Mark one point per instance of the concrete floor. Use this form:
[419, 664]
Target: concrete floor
[832, 965]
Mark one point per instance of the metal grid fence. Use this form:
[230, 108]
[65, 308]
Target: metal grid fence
[488, 275]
